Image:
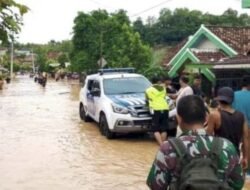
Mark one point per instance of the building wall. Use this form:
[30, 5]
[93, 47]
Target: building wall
[205, 46]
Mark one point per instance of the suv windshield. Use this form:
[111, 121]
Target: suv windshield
[125, 85]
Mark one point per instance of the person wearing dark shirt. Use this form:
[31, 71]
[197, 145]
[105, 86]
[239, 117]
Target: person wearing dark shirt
[229, 123]
[197, 86]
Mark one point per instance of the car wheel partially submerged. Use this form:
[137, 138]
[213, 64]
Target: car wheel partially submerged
[104, 128]
[83, 115]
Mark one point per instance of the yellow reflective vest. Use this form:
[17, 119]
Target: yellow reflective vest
[157, 98]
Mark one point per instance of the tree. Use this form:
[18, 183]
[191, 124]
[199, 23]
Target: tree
[62, 59]
[16, 67]
[173, 26]
[41, 51]
[230, 18]
[41, 57]
[145, 31]
[10, 18]
[139, 27]
[100, 34]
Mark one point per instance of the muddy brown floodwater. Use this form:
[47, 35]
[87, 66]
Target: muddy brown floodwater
[45, 146]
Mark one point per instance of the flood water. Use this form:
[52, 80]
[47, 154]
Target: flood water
[45, 146]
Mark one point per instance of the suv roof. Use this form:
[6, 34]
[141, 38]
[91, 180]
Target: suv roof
[114, 73]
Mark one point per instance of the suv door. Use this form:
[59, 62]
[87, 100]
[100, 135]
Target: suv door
[90, 98]
[96, 93]
[94, 99]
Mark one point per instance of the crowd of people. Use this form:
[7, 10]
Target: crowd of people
[41, 78]
[211, 151]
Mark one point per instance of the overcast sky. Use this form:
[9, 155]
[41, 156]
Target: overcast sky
[53, 19]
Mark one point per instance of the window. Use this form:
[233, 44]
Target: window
[96, 85]
[90, 85]
[95, 90]
[125, 85]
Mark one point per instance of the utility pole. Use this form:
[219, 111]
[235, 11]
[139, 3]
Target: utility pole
[33, 64]
[101, 48]
[11, 58]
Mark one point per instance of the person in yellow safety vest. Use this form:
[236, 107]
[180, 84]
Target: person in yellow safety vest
[156, 99]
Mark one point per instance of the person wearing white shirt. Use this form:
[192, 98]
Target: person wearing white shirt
[185, 90]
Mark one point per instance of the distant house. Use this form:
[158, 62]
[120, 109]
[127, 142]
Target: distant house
[29, 59]
[25, 57]
[3, 51]
[220, 54]
[22, 52]
[53, 55]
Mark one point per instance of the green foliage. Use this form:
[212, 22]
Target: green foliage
[78, 58]
[26, 68]
[63, 46]
[41, 58]
[155, 68]
[47, 68]
[100, 34]
[174, 26]
[158, 54]
[16, 67]
[62, 59]
[41, 50]
[5, 59]
[11, 18]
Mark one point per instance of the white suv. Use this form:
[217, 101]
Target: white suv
[115, 99]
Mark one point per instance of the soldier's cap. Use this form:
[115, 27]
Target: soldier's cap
[225, 94]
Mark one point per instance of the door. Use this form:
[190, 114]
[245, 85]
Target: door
[96, 94]
[90, 98]
[93, 96]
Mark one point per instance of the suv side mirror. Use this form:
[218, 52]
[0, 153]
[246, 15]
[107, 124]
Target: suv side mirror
[95, 92]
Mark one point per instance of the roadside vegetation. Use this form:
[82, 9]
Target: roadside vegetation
[173, 26]
[113, 38]
[11, 14]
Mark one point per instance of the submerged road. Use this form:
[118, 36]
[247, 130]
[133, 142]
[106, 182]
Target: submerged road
[45, 146]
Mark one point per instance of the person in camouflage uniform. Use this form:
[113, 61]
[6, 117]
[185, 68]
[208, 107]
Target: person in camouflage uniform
[191, 116]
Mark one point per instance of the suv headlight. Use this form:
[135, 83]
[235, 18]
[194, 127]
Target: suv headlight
[119, 109]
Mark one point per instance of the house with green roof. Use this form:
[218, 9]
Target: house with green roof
[220, 54]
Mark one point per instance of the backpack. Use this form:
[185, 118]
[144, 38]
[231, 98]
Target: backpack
[198, 173]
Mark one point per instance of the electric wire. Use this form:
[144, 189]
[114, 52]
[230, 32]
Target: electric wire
[150, 8]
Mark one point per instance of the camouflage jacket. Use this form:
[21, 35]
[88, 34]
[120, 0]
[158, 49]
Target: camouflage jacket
[164, 167]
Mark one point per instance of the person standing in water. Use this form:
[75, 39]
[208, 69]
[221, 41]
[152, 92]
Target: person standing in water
[156, 98]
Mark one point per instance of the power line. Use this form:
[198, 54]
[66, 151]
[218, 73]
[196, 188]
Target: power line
[150, 8]
[100, 4]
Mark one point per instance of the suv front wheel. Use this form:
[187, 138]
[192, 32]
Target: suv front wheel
[104, 128]
[82, 113]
